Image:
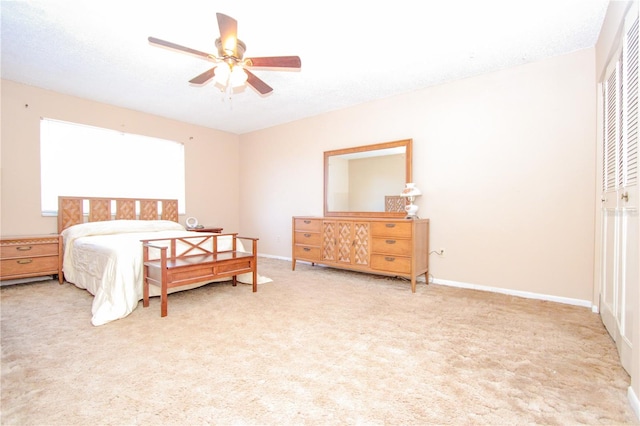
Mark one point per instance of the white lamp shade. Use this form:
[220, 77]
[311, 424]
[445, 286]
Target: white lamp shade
[221, 73]
[410, 190]
[238, 76]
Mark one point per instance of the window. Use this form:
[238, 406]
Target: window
[79, 160]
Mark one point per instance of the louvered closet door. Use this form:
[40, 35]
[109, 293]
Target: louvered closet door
[610, 232]
[620, 195]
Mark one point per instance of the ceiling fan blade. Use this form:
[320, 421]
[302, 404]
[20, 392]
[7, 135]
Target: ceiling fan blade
[275, 62]
[257, 84]
[228, 34]
[204, 77]
[174, 46]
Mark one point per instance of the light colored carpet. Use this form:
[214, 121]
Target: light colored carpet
[315, 346]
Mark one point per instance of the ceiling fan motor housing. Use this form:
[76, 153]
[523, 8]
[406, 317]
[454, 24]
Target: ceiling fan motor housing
[240, 49]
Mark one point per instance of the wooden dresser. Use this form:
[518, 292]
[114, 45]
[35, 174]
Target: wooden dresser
[31, 256]
[397, 247]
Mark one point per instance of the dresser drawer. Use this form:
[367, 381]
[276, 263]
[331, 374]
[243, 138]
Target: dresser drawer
[29, 266]
[388, 263]
[391, 229]
[26, 249]
[391, 246]
[307, 224]
[307, 238]
[307, 253]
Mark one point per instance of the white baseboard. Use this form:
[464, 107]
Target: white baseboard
[270, 256]
[525, 294]
[634, 401]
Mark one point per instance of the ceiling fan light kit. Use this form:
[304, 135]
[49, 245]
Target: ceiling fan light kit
[226, 75]
[232, 70]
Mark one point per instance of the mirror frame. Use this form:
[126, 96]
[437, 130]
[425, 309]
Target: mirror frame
[407, 143]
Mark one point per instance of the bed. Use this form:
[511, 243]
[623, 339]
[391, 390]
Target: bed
[102, 249]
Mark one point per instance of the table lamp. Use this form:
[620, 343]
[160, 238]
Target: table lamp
[410, 192]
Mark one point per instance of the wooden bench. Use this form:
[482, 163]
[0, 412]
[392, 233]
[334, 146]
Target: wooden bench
[195, 259]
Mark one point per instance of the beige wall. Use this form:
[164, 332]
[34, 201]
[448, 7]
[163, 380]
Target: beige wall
[506, 163]
[211, 157]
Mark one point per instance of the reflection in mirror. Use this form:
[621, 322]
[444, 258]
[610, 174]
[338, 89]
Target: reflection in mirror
[360, 181]
[367, 180]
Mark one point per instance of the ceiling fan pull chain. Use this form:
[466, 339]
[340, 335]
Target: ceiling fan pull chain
[228, 95]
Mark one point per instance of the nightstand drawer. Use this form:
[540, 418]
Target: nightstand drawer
[29, 265]
[28, 249]
[30, 256]
[388, 263]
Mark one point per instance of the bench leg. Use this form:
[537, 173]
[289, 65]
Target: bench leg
[145, 290]
[163, 299]
[255, 278]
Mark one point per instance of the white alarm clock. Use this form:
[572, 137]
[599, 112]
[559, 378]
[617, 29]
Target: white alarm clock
[191, 222]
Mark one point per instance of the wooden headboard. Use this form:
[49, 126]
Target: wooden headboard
[71, 210]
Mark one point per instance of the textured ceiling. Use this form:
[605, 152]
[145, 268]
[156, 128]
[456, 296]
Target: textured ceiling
[352, 51]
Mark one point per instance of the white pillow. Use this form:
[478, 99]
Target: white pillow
[117, 227]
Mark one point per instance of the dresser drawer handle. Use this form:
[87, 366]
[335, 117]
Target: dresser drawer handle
[390, 225]
[390, 241]
[306, 249]
[389, 259]
[24, 261]
[23, 248]
[307, 222]
[307, 235]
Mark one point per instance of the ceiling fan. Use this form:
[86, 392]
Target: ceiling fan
[232, 69]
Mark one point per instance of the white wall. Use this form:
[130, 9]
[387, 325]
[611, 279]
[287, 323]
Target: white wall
[506, 163]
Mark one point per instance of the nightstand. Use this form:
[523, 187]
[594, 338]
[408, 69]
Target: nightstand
[206, 229]
[31, 256]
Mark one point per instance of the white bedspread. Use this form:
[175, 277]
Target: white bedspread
[105, 258]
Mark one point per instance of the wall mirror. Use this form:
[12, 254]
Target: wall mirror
[367, 180]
